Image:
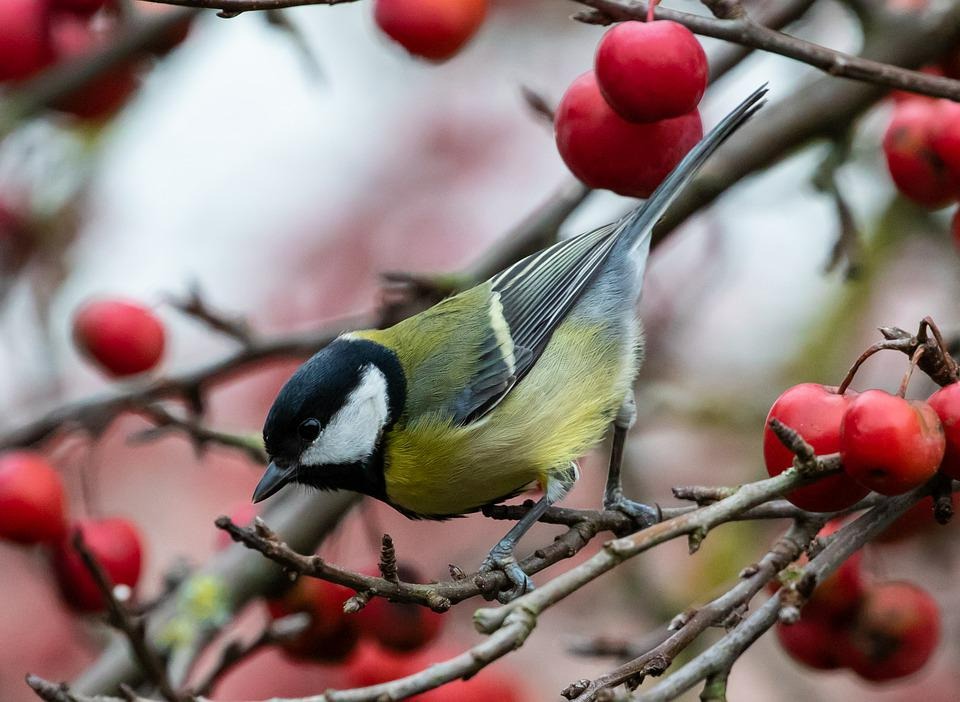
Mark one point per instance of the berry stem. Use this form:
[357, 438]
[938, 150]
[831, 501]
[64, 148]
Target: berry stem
[902, 390]
[848, 378]
[927, 323]
[651, 8]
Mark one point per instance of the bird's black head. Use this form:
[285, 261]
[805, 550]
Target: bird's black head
[326, 426]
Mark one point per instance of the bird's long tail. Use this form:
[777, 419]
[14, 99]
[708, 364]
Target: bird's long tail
[638, 225]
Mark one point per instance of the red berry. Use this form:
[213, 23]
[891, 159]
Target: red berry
[605, 151]
[116, 543]
[895, 634]
[650, 71]
[400, 626]
[31, 499]
[815, 411]
[24, 39]
[945, 137]
[946, 403]
[371, 664]
[840, 594]
[433, 29]
[811, 641]
[916, 168]
[123, 337]
[888, 444]
[331, 635]
[485, 686]
[73, 39]
[84, 8]
[915, 521]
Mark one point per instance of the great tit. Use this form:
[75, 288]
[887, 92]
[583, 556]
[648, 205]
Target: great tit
[491, 391]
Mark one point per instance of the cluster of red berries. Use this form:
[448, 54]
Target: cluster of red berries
[626, 124]
[881, 631]
[33, 511]
[887, 443]
[432, 29]
[922, 145]
[36, 34]
[381, 642]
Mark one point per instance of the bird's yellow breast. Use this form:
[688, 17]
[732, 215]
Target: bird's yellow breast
[554, 415]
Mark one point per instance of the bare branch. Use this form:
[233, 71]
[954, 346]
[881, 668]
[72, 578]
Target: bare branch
[132, 628]
[736, 26]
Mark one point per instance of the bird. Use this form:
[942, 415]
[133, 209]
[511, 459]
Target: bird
[490, 392]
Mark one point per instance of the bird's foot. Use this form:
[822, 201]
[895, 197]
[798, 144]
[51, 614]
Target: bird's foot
[502, 559]
[643, 515]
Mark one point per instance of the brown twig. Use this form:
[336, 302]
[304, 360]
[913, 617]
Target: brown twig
[235, 651]
[736, 26]
[132, 628]
[201, 435]
[655, 661]
[195, 305]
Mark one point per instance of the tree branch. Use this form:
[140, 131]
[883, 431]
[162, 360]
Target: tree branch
[739, 28]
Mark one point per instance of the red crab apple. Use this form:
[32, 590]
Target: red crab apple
[24, 39]
[946, 403]
[371, 664]
[605, 151]
[812, 641]
[331, 635]
[400, 626]
[31, 499]
[889, 444]
[895, 634]
[945, 137]
[486, 686]
[123, 337]
[432, 29]
[917, 169]
[649, 71]
[73, 38]
[815, 411]
[116, 544]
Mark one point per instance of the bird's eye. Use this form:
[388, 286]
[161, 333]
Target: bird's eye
[309, 429]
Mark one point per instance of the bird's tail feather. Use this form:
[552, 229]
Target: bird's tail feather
[638, 225]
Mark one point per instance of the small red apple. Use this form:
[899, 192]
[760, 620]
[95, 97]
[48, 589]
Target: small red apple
[649, 71]
[917, 169]
[31, 499]
[400, 626]
[946, 403]
[123, 337]
[432, 29]
[73, 38]
[815, 411]
[24, 38]
[116, 544]
[895, 634]
[371, 664]
[331, 635]
[605, 151]
[945, 137]
[811, 641]
[889, 444]
[485, 686]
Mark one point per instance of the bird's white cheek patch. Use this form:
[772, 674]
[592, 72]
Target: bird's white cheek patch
[353, 432]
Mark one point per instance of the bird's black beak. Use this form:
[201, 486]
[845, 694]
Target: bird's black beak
[274, 479]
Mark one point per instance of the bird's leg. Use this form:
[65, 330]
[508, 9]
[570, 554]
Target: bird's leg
[613, 498]
[501, 556]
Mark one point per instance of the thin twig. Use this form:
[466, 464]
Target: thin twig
[132, 628]
[739, 28]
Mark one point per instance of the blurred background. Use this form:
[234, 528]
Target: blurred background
[284, 170]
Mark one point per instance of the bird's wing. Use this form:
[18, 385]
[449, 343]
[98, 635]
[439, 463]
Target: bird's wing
[529, 301]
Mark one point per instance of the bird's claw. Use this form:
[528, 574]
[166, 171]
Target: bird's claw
[520, 582]
[643, 515]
